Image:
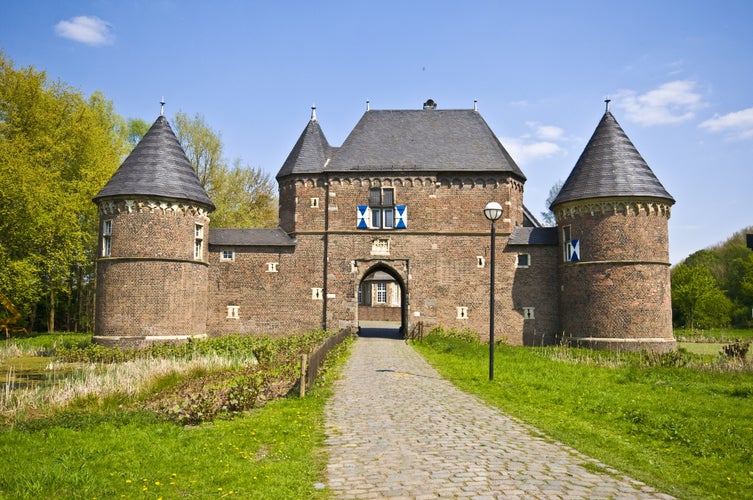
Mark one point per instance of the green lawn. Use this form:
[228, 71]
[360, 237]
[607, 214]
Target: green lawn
[686, 431]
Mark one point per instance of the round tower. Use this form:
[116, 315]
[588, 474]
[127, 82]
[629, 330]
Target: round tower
[612, 216]
[152, 263]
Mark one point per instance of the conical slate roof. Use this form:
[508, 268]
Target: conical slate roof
[158, 167]
[610, 166]
[309, 154]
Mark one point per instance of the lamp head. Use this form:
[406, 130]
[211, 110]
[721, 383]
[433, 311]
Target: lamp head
[493, 211]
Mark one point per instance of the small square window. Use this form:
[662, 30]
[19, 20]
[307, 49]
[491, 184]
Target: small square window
[233, 312]
[273, 267]
[227, 256]
[524, 260]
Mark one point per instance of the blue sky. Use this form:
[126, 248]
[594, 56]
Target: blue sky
[679, 73]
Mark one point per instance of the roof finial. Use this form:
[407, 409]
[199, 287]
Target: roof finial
[368, 105]
[313, 112]
[162, 107]
[475, 105]
[607, 100]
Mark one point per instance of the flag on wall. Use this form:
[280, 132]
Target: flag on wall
[361, 220]
[401, 217]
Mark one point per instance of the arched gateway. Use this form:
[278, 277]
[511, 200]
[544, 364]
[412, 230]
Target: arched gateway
[397, 209]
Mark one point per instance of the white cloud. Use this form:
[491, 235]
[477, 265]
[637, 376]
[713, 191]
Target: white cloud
[672, 102]
[738, 124]
[90, 30]
[547, 132]
[524, 151]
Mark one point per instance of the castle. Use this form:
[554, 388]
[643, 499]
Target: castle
[390, 225]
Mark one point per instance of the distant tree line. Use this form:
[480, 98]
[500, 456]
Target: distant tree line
[713, 287]
[58, 148]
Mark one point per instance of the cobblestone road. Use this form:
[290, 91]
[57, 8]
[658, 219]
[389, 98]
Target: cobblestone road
[395, 429]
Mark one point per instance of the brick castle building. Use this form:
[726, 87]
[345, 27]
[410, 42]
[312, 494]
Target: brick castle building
[390, 226]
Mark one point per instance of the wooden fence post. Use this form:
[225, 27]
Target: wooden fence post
[303, 375]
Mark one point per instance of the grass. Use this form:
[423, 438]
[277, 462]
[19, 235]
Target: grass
[107, 447]
[719, 335]
[687, 431]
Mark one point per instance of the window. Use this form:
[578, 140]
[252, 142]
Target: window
[227, 256]
[382, 204]
[314, 202]
[462, 312]
[316, 293]
[106, 238]
[232, 312]
[273, 267]
[571, 247]
[528, 313]
[524, 260]
[381, 292]
[480, 261]
[198, 246]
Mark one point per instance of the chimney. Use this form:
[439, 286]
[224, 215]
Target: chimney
[430, 104]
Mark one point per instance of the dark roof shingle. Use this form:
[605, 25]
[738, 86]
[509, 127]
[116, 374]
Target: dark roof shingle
[423, 140]
[250, 237]
[157, 166]
[610, 166]
[309, 154]
[534, 236]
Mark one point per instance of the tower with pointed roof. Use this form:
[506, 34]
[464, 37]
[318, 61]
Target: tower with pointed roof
[612, 214]
[152, 264]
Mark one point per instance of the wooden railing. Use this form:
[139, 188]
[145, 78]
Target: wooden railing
[416, 333]
[311, 363]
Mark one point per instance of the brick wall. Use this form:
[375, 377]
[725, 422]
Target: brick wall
[151, 285]
[618, 295]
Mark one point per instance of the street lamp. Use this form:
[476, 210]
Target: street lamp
[492, 211]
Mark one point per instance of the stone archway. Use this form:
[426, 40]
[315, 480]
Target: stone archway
[382, 299]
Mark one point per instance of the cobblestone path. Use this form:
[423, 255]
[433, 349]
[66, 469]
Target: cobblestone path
[395, 429]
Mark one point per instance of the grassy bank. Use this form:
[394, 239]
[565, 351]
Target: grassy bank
[112, 446]
[687, 430]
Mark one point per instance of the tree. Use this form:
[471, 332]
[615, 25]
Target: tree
[57, 149]
[548, 217]
[202, 145]
[243, 196]
[137, 128]
[697, 299]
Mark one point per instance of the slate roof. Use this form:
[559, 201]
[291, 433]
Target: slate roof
[610, 166]
[309, 154]
[261, 237]
[534, 236]
[158, 167]
[406, 141]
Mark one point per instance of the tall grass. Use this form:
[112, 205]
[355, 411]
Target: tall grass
[101, 380]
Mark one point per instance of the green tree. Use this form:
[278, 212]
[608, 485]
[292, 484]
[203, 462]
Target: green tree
[697, 300]
[244, 196]
[57, 149]
[202, 145]
[137, 128]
